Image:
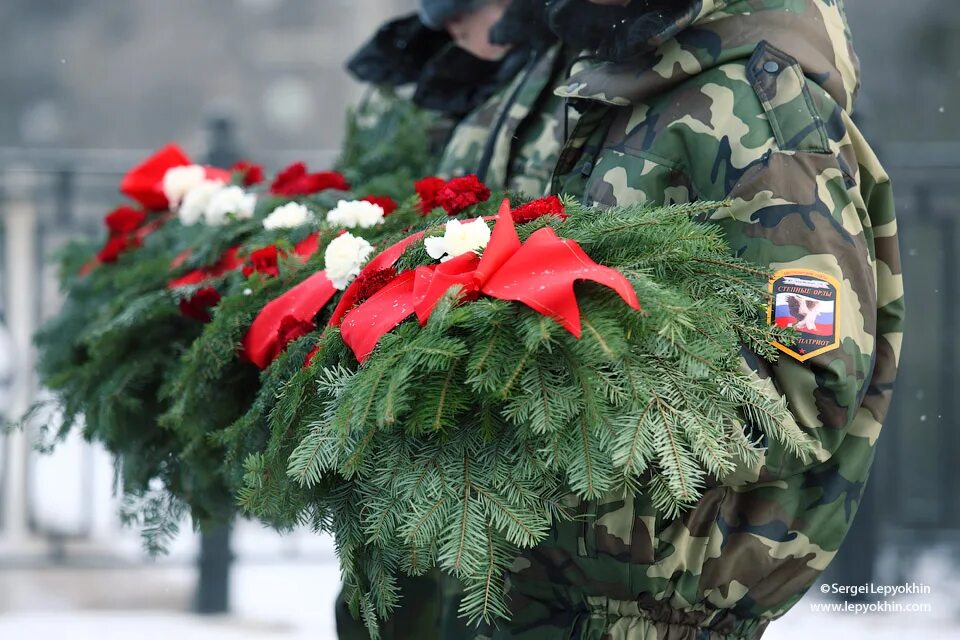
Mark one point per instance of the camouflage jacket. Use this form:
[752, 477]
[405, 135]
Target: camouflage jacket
[748, 101]
[513, 140]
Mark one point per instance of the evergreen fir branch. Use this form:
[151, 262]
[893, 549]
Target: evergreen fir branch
[522, 528]
[548, 400]
[676, 463]
[426, 523]
[317, 453]
[772, 417]
[634, 445]
[158, 515]
[483, 598]
[442, 403]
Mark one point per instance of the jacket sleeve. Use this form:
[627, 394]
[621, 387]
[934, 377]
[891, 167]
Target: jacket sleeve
[800, 213]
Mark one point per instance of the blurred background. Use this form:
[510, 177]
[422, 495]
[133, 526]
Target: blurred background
[89, 87]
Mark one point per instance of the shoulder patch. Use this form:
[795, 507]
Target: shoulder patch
[807, 301]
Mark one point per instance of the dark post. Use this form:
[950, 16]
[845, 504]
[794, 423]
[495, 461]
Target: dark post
[222, 150]
[213, 590]
[65, 197]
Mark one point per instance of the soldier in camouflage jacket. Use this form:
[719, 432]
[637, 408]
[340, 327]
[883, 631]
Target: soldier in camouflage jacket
[747, 101]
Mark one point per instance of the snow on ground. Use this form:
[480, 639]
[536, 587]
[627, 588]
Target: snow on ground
[290, 601]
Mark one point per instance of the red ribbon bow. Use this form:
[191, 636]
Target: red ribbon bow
[383, 260]
[144, 183]
[539, 273]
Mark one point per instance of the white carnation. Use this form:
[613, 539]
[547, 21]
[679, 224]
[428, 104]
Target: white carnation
[178, 181]
[227, 201]
[196, 200]
[292, 214]
[458, 238]
[343, 258]
[355, 213]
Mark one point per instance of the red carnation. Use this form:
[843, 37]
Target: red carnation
[124, 220]
[427, 189]
[292, 329]
[295, 181]
[460, 193]
[229, 261]
[288, 176]
[369, 284]
[199, 304]
[114, 247]
[251, 173]
[548, 206]
[388, 204]
[263, 260]
[123, 224]
[316, 182]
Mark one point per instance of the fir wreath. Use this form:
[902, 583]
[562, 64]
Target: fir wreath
[456, 442]
[111, 352]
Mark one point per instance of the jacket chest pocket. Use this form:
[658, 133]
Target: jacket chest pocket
[619, 178]
[617, 532]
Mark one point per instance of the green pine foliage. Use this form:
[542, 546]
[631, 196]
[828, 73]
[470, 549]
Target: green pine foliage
[85, 356]
[123, 331]
[456, 443]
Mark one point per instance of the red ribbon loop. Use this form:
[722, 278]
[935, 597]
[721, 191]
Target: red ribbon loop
[266, 339]
[363, 327]
[433, 281]
[269, 333]
[539, 273]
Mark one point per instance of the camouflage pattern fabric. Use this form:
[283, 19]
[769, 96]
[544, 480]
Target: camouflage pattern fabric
[532, 119]
[748, 101]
